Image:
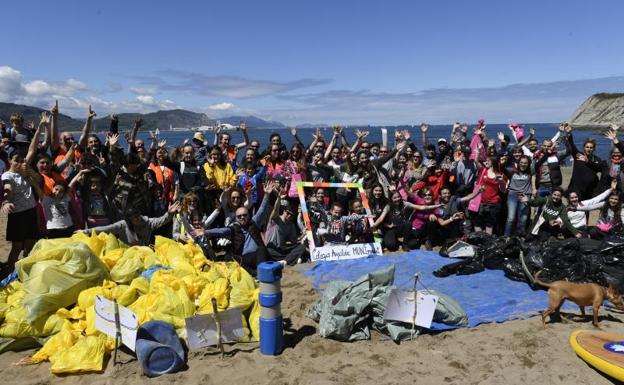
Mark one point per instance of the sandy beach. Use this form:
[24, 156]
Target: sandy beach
[515, 352]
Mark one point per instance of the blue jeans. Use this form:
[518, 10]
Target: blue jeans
[516, 209]
[544, 190]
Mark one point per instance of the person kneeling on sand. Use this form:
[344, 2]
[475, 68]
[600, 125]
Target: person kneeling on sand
[247, 246]
[136, 229]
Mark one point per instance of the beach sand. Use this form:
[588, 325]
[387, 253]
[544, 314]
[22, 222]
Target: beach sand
[515, 352]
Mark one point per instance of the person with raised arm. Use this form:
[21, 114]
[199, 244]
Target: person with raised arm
[586, 165]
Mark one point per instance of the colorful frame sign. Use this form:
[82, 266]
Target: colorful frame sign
[337, 251]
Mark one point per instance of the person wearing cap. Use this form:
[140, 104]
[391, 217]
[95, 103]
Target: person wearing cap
[444, 150]
[198, 142]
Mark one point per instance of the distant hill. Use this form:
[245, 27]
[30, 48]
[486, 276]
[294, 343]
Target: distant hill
[599, 110]
[158, 119]
[251, 121]
[66, 123]
[152, 120]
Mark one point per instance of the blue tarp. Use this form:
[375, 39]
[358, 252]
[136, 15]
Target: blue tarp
[487, 296]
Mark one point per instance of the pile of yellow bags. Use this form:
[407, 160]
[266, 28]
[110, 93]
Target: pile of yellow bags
[57, 284]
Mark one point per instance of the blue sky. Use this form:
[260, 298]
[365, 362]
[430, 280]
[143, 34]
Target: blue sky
[338, 62]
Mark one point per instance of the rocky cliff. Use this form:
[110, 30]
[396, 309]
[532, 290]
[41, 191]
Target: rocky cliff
[599, 110]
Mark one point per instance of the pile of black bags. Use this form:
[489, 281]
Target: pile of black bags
[576, 260]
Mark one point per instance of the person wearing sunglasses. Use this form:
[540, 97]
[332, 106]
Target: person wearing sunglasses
[248, 247]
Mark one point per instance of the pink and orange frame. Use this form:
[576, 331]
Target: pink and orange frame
[304, 207]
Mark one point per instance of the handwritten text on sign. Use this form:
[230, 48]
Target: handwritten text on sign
[338, 252]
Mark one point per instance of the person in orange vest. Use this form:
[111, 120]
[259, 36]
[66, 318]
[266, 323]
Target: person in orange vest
[223, 142]
[164, 175]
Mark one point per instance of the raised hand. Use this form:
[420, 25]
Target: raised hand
[46, 118]
[614, 127]
[55, 109]
[91, 114]
[532, 131]
[269, 187]
[614, 184]
[611, 135]
[174, 207]
[456, 126]
[162, 143]
[293, 131]
[424, 127]
[138, 123]
[242, 125]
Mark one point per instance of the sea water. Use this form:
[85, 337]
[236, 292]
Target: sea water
[542, 131]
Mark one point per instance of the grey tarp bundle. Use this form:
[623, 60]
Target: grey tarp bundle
[347, 310]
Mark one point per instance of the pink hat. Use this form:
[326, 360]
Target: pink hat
[515, 125]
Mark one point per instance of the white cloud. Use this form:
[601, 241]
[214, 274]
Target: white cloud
[146, 99]
[144, 90]
[225, 106]
[225, 86]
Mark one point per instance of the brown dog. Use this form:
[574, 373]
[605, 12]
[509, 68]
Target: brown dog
[582, 294]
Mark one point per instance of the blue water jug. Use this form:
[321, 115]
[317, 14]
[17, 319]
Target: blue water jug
[159, 349]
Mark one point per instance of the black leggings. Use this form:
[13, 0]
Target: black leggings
[412, 238]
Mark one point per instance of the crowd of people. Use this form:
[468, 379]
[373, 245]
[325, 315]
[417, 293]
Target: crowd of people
[240, 201]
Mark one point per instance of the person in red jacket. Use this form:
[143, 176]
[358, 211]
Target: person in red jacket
[434, 179]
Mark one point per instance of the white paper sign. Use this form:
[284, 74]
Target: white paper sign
[105, 321]
[201, 330]
[338, 252]
[400, 307]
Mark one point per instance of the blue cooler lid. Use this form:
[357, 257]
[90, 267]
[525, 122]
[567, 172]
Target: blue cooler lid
[269, 272]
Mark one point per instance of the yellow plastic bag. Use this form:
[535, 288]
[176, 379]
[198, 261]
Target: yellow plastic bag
[86, 355]
[55, 274]
[111, 258]
[64, 339]
[164, 303]
[244, 295]
[175, 255]
[219, 290]
[100, 244]
[131, 264]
